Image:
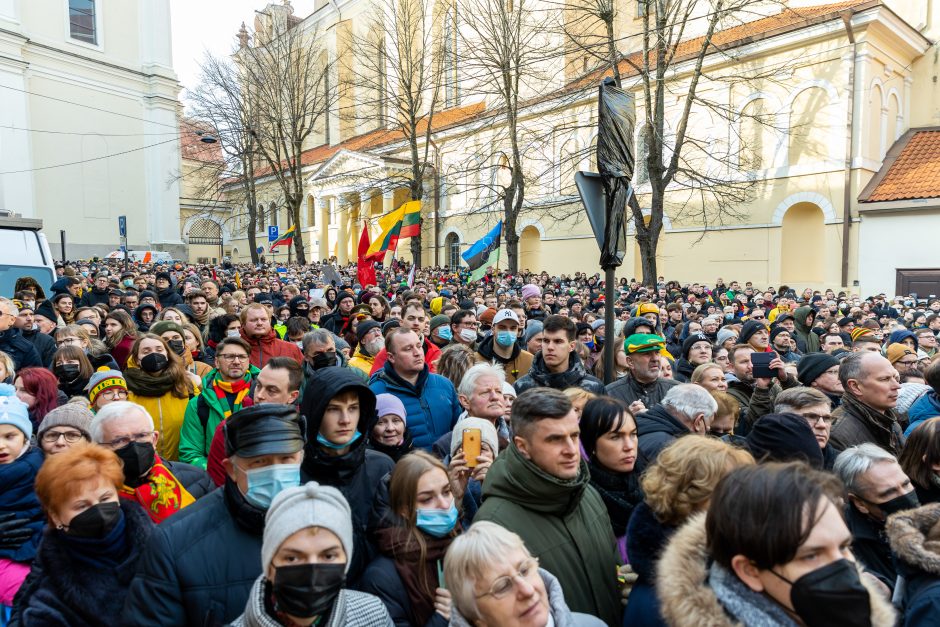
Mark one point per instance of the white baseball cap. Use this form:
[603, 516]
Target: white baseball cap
[505, 314]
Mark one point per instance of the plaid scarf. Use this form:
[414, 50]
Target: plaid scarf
[161, 495]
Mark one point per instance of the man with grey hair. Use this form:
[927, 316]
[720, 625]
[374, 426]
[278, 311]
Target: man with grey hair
[12, 342]
[319, 349]
[686, 408]
[127, 429]
[876, 487]
[539, 487]
[867, 411]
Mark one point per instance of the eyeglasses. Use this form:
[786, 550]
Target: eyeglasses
[814, 418]
[68, 341]
[906, 362]
[49, 437]
[113, 394]
[504, 585]
[123, 441]
[231, 357]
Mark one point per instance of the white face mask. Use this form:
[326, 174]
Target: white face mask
[468, 335]
[232, 333]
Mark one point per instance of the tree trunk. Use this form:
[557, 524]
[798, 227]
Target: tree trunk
[648, 246]
[252, 240]
[417, 193]
[294, 208]
[509, 231]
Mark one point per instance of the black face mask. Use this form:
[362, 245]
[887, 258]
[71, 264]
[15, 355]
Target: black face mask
[324, 360]
[96, 521]
[831, 595]
[177, 346]
[899, 503]
[138, 458]
[307, 590]
[67, 372]
[154, 362]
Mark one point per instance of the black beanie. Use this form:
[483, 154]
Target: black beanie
[46, 310]
[813, 365]
[784, 438]
[750, 328]
[777, 331]
[691, 340]
[365, 326]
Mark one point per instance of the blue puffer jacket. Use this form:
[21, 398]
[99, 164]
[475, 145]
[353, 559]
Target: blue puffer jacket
[18, 496]
[924, 408]
[431, 404]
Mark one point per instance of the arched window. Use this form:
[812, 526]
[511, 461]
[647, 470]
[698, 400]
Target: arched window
[452, 246]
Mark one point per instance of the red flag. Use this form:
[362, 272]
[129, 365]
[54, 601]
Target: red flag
[365, 269]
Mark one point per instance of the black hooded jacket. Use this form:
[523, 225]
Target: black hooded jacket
[574, 376]
[357, 472]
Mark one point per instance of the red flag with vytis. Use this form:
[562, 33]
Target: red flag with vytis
[365, 266]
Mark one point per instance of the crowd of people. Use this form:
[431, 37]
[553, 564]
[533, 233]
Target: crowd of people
[279, 445]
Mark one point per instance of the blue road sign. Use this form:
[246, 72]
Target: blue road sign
[272, 233]
[122, 226]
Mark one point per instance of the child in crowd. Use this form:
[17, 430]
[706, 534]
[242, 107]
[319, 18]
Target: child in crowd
[20, 512]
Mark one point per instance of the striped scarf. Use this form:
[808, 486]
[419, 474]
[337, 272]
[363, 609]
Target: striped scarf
[225, 388]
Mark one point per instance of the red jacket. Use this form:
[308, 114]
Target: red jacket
[431, 354]
[122, 351]
[262, 350]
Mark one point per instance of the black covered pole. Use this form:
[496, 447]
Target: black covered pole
[610, 347]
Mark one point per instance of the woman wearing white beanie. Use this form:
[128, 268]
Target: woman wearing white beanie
[305, 565]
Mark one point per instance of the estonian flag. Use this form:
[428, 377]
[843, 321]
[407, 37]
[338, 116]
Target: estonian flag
[479, 256]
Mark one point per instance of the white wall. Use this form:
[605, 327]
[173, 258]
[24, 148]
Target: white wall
[890, 241]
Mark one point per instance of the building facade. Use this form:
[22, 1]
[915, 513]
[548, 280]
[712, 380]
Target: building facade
[842, 83]
[88, 122]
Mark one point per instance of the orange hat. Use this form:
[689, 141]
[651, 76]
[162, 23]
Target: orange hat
[858, 332]
[646, 308]
[896, 351]
[487, 316]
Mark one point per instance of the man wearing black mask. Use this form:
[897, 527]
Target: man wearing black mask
[199, 566]
[319, 348]
[877, 488]
[160, 486]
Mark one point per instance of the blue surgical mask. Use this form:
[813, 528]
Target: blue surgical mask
[266, 483]
[445, 333]
[437, 522]
[505, 338]
[331, 445]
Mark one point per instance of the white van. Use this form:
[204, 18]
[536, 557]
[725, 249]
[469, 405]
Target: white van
[24, 251]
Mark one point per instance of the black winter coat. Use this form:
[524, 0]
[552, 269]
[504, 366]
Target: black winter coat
[169, 298]
[628, 390]
[196, 480]
[657, 429]
[95, 297]
[44, 345]
[574, 376]
[199, 565]
[61, 590]
[20, 350]
[870, 546]
[357, 473]
[646, 540]
[381, 579]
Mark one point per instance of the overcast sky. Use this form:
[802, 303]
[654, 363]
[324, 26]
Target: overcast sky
[211, 25]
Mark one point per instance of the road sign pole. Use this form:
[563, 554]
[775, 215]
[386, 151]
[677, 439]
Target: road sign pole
[122, 234]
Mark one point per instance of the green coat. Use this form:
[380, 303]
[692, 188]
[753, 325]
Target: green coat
[564, 524]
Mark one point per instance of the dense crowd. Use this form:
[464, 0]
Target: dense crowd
[258, 446]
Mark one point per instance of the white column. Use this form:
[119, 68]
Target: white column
[9, 11]
[16, 190]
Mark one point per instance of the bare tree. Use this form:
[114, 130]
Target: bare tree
[286, 73]
[503, 43]
[221, 103]
[398, 76]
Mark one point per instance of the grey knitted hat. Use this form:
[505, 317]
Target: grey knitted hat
[73, 414]
[724, 335]
[487, 433]
[308, 505]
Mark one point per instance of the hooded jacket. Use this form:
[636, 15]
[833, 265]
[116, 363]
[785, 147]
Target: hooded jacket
[561, 615]
[575, 376]
[918, 558]
[66, 591]
[142, 326]
[356, 473]
[20, 350]
[924, 408]
[263, 349]
[657, 429]
[684, 578]
[431, 403]
[564, 523]
[518, 364]
[806, 340]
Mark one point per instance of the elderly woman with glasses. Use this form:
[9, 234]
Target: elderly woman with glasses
[494, 580]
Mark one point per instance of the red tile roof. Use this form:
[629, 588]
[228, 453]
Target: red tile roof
[191, 144]
[911, 169]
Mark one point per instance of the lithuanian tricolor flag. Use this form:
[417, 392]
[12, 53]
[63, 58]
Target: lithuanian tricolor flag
[411, 223]
[286, 238]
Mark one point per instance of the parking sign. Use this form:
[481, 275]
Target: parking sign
[272, 233]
